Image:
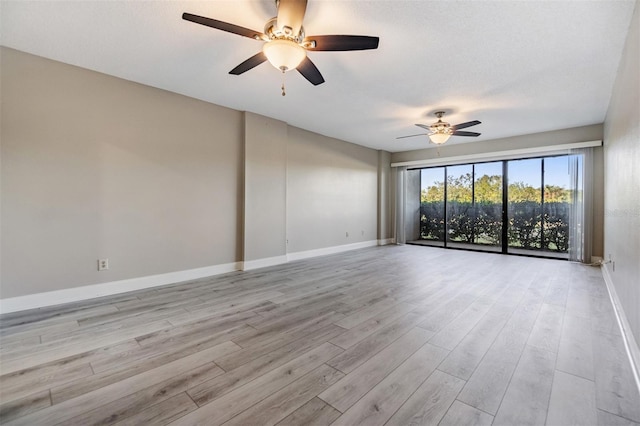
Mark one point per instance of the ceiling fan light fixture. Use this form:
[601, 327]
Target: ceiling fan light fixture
[284, 54]
[441, 131]
[439, 138]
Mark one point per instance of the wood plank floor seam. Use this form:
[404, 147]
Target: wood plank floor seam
[411, 395]
[509, 382]
[631, 421]
[555, 368]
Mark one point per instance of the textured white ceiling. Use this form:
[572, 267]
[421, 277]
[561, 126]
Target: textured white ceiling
[520, 67]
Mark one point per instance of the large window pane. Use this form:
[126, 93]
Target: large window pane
[525, 205]
[432, 205]
[487, 193]
[462, 206]
[557, 199]
[460, 211]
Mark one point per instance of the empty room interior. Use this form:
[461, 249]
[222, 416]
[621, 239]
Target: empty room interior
[320, 213]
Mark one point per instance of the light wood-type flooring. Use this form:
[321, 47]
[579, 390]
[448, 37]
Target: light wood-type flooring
[395, 335]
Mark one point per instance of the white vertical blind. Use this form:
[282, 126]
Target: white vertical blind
[401, 199]
[581, 213]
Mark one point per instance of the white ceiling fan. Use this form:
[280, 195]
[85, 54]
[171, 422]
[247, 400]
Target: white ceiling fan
[285, 43]
[441, 131]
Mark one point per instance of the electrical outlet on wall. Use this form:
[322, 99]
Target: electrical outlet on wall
[103, 264]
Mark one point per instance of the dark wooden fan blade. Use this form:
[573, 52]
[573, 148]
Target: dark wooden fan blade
[310, 72]
[463, 133]
[465, 125]
[224, 26]
[252, 62]
[290, 16]
[413, 136]
[342, 42]
[424, 126]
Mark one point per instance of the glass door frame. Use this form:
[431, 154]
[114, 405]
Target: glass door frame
[505, 206]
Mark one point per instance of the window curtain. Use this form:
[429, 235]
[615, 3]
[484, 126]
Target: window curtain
[400, 205]
[581, 207]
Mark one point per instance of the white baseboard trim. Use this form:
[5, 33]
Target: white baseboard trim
[596, 259]
[68, 295]
[330, 250]
[58, 297]
[385, 242]
[263, 263]
[633, 352]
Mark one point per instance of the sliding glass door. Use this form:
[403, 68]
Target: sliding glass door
[539, 206]
[479, 207]
[474, 206]
[557, 204]
[487, 200]
[524, 209]
[460, 209]
[432, 213]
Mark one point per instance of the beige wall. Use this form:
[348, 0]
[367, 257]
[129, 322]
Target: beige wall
[265, 177]
[622, 179]
[97, 167]
[332, 191]
[557, 137]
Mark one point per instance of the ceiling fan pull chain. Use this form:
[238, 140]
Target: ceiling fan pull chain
[283, 92]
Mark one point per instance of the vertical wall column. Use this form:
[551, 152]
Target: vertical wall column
[384, 198]
[265, 177]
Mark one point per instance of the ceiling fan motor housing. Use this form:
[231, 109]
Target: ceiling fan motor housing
[274, 33]
[441, 127]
